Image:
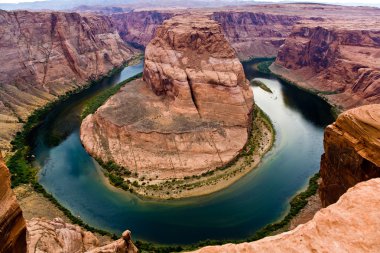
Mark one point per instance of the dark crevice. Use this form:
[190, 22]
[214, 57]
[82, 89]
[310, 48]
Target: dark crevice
[193, 95]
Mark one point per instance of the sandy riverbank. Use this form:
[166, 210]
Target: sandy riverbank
[260, 142]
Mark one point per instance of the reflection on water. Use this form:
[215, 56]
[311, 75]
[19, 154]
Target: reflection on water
[259, 198]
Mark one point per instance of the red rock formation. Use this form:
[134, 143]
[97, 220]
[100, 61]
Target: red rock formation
[352, 151]
[255, 34]
[340, 60]
[191, 115]
[12, 223]
[350, 225]
[45, 54]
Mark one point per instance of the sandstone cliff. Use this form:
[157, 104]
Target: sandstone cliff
[340, 60]
[45, 54]
[255, 34]
[192, 113]
[251, 34]
[350, 225]
[12, 223]
[139, 27]
[352, 151]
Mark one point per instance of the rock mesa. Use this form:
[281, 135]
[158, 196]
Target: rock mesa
[191, 112]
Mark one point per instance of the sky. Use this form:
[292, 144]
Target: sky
[344, 2]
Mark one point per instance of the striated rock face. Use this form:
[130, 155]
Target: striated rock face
[251, 34]
[53, 236]
[191, 114]
[138, 28]
[341, 60]
[255, 34]
[350, 225]
[12, 223]
[45, 54]
[352, 151]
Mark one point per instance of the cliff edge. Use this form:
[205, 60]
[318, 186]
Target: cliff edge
[352, 151]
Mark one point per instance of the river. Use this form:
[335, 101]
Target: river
[261, 197]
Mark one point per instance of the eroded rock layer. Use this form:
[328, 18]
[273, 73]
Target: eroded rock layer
[340, 60]
[53, 236]
[255, 34]
[45, 54]
[139, 27]
[352, 151]
[350, 225]
[191, 114]
[12, 223]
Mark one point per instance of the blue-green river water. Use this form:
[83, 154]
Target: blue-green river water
[261, 197]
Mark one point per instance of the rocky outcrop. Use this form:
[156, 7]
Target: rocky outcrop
[53, 236]
[123, 245]
[191, 114]
[352, 151]
[57, 236]
[12, 223]
[255, 34]
[139, 27]
[45, 54]
[339, 60]
[350, 225]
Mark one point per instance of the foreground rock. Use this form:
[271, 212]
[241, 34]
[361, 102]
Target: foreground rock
[12, 223]
[339, 60]
[350, 225]
[352, 151]
[191, 114]
[52, 236]
[45, 54]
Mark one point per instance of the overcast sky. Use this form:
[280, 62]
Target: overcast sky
[344, 2]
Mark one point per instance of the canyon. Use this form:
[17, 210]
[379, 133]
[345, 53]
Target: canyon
[190, 114]
[339, 61]
[194, 102]
[51, 53]
[44, 55]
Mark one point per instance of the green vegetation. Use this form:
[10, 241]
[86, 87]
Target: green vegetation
[264, 67]
[114, 172]
[259, 59]
[93, 104]
[261, 85]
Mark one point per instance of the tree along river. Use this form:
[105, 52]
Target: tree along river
[261, 197]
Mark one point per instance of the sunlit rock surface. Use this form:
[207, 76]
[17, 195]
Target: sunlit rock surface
[191, 112]
[352, 151]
